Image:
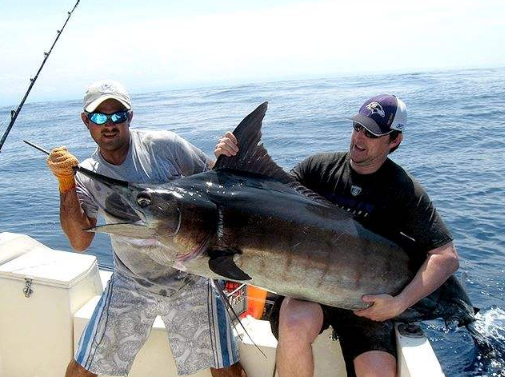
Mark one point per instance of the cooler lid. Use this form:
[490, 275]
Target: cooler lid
[13, 245]
[49, 267]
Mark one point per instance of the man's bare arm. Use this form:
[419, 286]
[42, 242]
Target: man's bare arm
[72, 217]
[73, 221]
[440, 264]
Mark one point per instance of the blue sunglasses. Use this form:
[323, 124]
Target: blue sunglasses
[100, 118]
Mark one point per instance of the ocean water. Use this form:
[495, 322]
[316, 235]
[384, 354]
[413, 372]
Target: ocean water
[454, 144]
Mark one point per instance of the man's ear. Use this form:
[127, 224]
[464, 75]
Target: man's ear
[397, 141]
[85, 120]
[130, 115]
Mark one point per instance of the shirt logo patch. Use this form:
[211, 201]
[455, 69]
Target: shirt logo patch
[376, 108]
[355, 190]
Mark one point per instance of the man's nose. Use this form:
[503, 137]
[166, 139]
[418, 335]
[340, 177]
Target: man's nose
[360, 134]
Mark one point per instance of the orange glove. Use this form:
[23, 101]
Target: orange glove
[61, 162]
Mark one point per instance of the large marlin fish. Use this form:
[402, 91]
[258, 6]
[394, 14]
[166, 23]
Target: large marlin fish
[248, 220]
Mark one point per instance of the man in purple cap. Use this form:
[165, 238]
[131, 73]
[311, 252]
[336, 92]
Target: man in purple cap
[385, 199]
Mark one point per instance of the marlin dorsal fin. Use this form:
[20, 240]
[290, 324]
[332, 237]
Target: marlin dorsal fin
[252, 156]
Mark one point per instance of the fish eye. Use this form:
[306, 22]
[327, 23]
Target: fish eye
[144, 199]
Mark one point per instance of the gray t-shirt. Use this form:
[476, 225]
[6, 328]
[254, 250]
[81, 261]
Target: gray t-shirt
[153, 157]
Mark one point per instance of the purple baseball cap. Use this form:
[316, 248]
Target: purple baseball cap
[382, 114]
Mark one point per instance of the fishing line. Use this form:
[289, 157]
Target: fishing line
[15, 113]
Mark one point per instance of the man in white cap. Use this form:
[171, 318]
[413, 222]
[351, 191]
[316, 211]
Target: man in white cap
[387, 200]
[140, 289]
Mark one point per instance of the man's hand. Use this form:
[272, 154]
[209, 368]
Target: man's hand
[227, 145]
[61, 162]
[383, 307]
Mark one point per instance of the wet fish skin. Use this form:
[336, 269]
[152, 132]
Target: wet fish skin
[318, 257]
[249, 217]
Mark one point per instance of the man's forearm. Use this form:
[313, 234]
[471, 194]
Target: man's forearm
[438, 267]
[73, 220]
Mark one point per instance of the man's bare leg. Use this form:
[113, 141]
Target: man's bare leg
[235, 370]
[299, 324]
[375, 364]
[76, 370]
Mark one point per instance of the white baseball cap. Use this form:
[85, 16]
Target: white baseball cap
[103, 90]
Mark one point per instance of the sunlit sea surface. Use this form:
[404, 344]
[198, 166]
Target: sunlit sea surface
[454, 144]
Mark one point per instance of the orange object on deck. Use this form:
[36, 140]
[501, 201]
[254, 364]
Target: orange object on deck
[256, 298]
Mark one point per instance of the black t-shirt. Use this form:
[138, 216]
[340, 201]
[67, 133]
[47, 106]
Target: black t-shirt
[388, 202]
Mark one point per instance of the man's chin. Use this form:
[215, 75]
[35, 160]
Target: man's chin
[356, 159]
[109, 144]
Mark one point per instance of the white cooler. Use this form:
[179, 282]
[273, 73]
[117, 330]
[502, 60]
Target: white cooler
[40, 290]
[12, 245]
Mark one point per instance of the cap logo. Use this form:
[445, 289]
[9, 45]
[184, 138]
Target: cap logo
[376, 108]
[106, 88]
[355, 190]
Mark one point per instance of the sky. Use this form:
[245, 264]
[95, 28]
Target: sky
[156, 45]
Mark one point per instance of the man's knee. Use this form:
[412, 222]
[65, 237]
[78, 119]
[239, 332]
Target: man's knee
[300, 319]
[76, 370]
[235, 370]
[375, 364]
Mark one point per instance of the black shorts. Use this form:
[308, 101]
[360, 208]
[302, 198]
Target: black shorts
[357, 335]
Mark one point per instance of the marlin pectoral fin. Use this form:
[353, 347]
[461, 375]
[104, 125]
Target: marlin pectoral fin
[126, 229]
[221, 262]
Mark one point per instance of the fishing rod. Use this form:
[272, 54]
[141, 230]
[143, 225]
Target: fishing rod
[15, 113]
[37, 147]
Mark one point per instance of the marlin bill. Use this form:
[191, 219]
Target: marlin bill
[247, 220]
